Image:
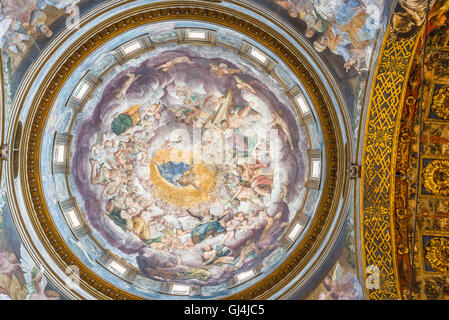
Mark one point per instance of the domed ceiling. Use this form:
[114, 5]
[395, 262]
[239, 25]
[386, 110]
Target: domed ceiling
[215, 149]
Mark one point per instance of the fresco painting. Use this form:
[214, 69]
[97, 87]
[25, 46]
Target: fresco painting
[225, 237]
[25, 23]
[346, 28]
[190, 220]
[20, 277]
[199, 222]
[427, 197]
[340, 284]
[26, 26]
[25, 29]
[344, 33]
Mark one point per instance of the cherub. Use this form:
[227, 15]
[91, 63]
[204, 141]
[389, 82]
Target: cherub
[230, 231]
[242, 85]
[120, 159]
[120, 93]
[188, 115]
[172, 63]
[208, 254]
[278, 121]
[223, 69]
[113, 205]
[253, 220]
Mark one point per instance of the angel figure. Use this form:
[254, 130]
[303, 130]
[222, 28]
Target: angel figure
[172, 63]
[188, 115]
[244, 192]
[102, 146]
[236, 117]
[223, 69]
[120, 93]
[242, 85]
[204, 216]
[254, 174]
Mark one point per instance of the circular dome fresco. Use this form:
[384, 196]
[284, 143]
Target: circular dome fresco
[180, 158]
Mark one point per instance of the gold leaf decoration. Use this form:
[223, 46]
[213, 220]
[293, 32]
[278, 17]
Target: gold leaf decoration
[437, 254]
